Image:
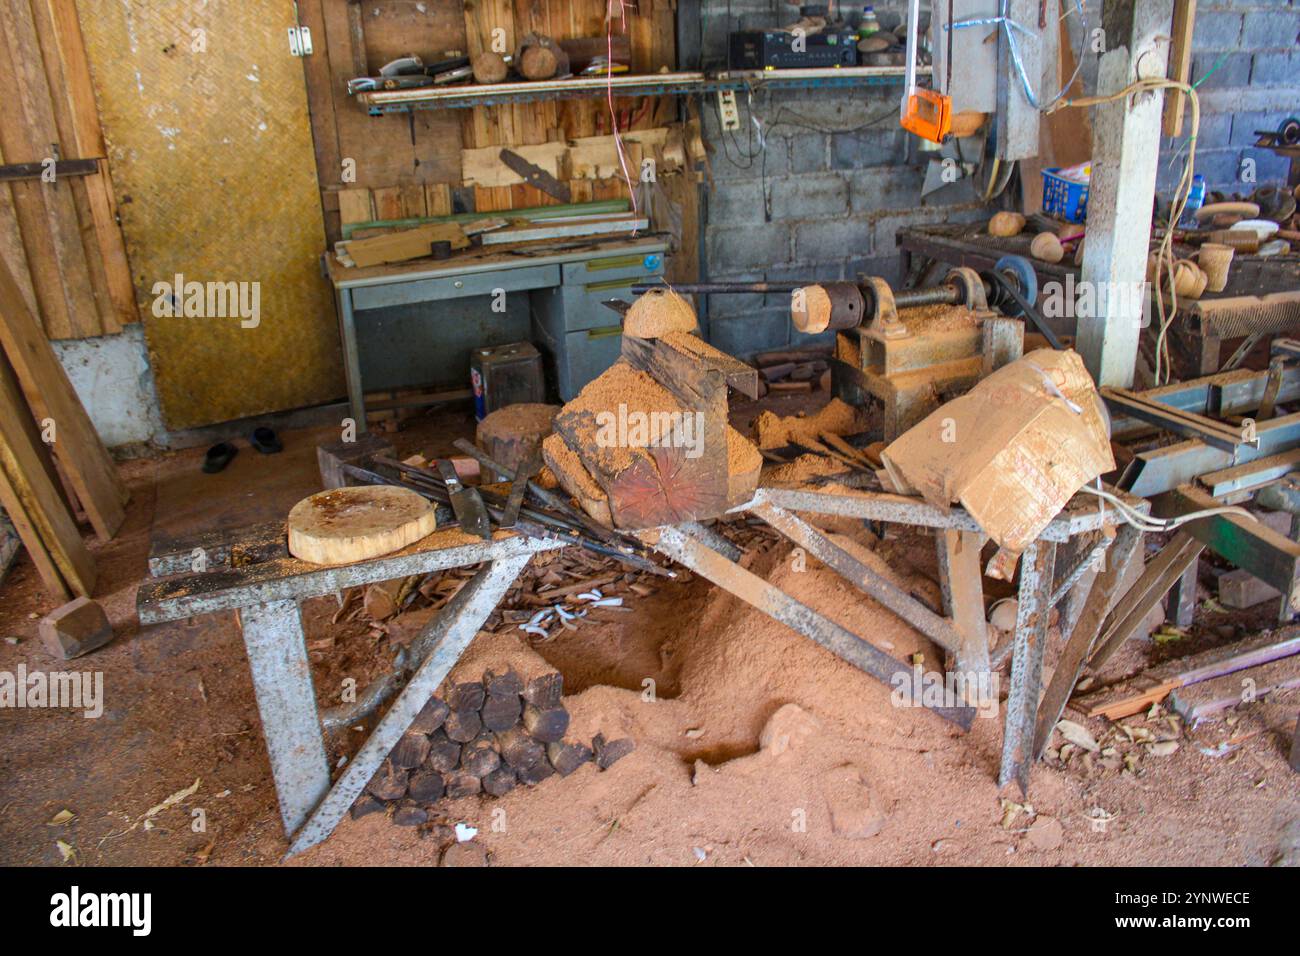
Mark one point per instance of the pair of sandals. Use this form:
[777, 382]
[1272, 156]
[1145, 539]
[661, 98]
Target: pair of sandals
[221, 454]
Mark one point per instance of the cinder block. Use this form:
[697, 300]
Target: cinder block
[808, 152]
[1269, 29]
[1275, 69]
[810, 196]
[1244, 126]
[1216, 30]
[735, 202]
[742, 336]
[1234, 71]
[1241, 589]
[77, 628]
[739, 250]
[835, 240]
[882, 188]
[869, 147]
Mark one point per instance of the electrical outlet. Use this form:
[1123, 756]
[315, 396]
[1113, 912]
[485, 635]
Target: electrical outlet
[728, 111]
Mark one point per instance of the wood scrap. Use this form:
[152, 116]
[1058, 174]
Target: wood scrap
[1196, 702]
[345, 525]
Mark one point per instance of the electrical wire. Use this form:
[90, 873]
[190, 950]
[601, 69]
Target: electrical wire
[1156, 525]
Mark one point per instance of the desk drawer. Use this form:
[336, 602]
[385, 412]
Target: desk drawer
[638, 265]
[578, 357]
[455, 286]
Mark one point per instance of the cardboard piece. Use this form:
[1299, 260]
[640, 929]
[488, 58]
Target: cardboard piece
[1013, 450]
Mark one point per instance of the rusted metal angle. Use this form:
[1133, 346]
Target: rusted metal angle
[1157, 578]
[459, 621]
[1188, 424]
[1160, 470]
[938, 629]
[780, 606]
[1128, 542]
[1037, 568]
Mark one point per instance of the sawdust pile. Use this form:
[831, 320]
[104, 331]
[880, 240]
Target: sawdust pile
[836, 417]
[657, 313]
[803, 470]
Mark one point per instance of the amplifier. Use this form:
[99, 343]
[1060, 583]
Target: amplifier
[774, 50]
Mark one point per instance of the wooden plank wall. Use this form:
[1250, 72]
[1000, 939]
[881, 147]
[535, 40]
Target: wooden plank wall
[410, 165]
[61, 239]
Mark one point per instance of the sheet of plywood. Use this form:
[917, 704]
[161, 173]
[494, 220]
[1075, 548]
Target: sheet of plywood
[206, 125]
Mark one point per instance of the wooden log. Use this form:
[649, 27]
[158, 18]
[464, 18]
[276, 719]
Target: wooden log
[607, 752]
[519, 750]
[489, 67]
[444, 753]
[346, 525]
[365, 805]
[501, 712]
[462, 784]
[463, 726]
[503, 683]
[389, 782]
[431, 716]
[426, 786]
[538, 57]
[546, 724]
[532, 776]
[466, 696]
[411, 750]
[567, 757]
[500, 781]
[511, 435]
[478, 757]
[545, 691]
[572, 475]
[410, 815]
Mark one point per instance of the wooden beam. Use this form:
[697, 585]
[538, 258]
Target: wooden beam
[1180, 64]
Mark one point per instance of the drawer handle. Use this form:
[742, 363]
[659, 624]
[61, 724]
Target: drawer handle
[610, 284]
[604, 332]
[617, 262]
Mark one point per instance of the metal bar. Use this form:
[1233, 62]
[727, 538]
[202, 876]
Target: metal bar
[15, 172]
[778, 605]
[286, 702]
[459, 621]
[1246, 544]
[1037, 569]
[1168, 418]
[351, 360]
[962, 581]
[1182, 597]
[192, 595]
[866, 580]
[1157, 578]
[1154, 472]
[1085, 561]
[712, 539]
[1128, 542]
[1251, 474]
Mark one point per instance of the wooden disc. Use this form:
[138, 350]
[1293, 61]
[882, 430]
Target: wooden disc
[351, 524]
[489, 67]
[810, 309]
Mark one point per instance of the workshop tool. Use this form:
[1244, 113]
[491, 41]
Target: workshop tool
[465, 501]
[537, 177]
[519, 486]
[926, 113]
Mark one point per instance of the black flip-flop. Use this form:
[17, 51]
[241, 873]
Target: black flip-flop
[266, 441]
[218, 457]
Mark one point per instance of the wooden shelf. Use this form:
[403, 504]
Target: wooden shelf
[379, 102]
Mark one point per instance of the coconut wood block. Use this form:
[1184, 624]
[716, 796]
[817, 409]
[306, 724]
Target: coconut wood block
[344, 525]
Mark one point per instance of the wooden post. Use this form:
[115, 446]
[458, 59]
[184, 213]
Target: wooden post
[1126, 147]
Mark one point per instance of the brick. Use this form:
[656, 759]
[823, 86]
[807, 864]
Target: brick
[737, 250]
[1216, 30]
[885, 187]
[1219, 167]
[1241, 589]
[1233, 71]
[77, 628]
[886, 226]
[758, 331]
[1269, 30]
[726, 305]
[832, 239]
[733, 202]
[886, 267]
[1263, 99]
[1275, 69]
[806, 197]
[1269, 167]
[869, 147]
[1244, 126]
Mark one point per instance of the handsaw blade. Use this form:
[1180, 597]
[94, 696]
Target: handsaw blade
[536, 176]
[465, 502]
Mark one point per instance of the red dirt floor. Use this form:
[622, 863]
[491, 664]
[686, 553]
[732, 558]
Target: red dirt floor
[692, 675]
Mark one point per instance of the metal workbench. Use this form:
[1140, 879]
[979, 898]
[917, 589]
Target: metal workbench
[393, 337]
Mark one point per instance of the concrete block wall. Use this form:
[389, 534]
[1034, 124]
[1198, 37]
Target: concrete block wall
[1255, 45]
[819, 196]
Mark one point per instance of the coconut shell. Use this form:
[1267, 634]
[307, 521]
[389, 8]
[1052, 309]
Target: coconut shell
[1047, 248]
[658, 312]
[1006, 224]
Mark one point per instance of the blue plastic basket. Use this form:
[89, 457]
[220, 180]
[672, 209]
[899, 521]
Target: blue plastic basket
[1064, 199]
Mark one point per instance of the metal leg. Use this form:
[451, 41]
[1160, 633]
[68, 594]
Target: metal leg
[778, 605]
[962, 581]
[1295, 747]
[458, 623]
[1182, 597]
[862, 577]
[1037, 567]
[286, 701]
[351, 359]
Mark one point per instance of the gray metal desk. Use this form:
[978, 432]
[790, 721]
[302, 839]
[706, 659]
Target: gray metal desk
[565, 280]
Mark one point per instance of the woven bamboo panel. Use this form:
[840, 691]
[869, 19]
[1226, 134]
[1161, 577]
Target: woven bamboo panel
[212, 159]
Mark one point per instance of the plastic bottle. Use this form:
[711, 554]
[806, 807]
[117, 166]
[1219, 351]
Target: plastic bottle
[1195, 199]
[868, 24]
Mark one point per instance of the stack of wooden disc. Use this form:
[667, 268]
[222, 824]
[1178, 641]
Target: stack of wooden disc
[486, 736]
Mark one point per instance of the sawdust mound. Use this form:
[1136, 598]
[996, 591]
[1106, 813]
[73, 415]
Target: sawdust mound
[836, 417]
[658, 312]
